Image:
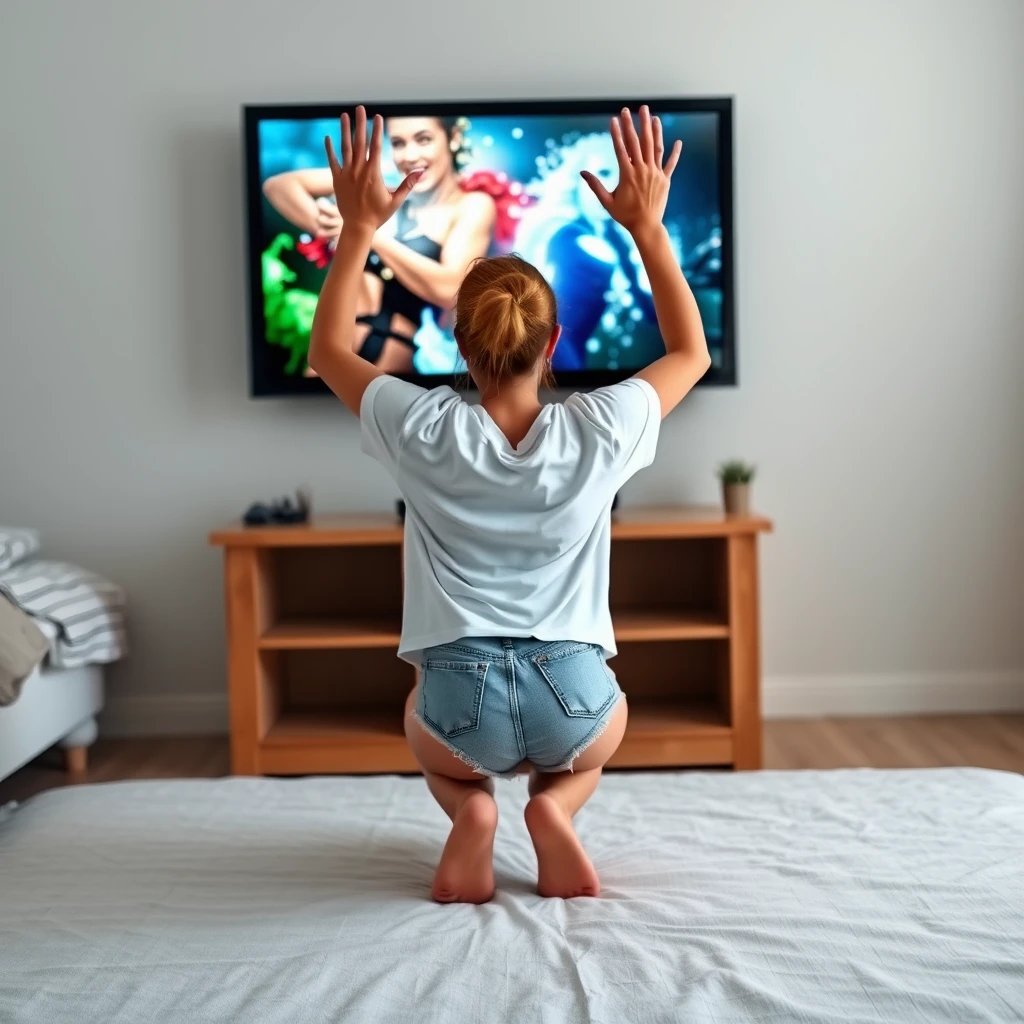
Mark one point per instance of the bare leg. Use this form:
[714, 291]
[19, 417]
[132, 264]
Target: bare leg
[563, 867]
[465, 873]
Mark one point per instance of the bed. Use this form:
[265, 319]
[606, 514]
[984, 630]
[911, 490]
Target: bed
[56, 705]
[807, 896]
[60, 625]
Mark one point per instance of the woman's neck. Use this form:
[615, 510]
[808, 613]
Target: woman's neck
[513, 406]
[440, 194]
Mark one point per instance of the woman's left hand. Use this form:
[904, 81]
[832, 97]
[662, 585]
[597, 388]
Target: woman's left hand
[363, 199]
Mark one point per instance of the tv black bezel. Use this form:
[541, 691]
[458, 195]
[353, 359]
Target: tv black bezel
[264, 384]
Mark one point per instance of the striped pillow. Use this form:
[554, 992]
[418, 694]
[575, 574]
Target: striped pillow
[16, 544]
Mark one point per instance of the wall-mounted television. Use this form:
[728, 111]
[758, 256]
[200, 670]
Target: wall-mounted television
[497, 177]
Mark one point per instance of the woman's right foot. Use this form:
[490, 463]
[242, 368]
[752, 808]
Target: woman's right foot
[466, 871]
[563, 867]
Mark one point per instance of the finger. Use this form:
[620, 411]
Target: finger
[377, 140]
[401, 193]
[630, 136]
[604, 197]
[332, 160]
[646, 134]
[346, 140]
[620, 148]
[673, 158]
[659, 143]
[328, 216]
[359, 143]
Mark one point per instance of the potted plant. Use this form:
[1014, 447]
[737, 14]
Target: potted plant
[736, 476]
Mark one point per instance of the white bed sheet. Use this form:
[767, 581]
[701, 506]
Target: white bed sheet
[810, 897]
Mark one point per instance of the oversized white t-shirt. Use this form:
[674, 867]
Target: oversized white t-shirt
[503, 541]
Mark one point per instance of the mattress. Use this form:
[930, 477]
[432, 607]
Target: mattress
[806, 896]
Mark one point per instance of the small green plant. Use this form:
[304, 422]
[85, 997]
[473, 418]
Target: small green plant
[736, 472]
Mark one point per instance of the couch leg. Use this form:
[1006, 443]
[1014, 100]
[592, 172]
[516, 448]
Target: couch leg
[76, 762]
[76, 749]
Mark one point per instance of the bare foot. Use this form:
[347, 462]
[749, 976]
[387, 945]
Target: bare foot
[466, 871]
[563, 867]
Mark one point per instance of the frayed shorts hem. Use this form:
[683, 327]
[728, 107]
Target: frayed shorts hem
[566, 766]
[595, 734]
[460, 754]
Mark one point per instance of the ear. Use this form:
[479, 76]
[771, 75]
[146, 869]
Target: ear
[553, 341]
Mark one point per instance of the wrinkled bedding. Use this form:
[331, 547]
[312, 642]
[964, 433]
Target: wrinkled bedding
[773, 897]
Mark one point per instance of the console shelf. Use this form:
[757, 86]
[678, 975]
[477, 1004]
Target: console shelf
[314, 618]
[337, 634]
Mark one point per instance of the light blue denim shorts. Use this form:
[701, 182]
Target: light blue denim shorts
[497, 703]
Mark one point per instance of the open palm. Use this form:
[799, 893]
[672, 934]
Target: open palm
[639, 199]
[359, 190]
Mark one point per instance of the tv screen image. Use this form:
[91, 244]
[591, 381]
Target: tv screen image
[497, 178]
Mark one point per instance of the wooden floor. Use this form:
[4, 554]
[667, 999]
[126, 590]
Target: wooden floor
[983, 741]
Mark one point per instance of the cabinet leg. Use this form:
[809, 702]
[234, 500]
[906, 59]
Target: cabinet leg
[247, 584]
[243, 758]
[744, 653]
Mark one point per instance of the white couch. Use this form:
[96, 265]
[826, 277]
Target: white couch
[57, 705]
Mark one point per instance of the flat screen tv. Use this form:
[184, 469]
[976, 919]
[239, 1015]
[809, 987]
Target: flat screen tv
[497, 177]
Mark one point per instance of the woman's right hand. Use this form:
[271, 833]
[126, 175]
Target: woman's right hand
[638, 201]
[364, 201]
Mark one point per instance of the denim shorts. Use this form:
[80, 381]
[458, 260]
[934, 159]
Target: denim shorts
[496, 703]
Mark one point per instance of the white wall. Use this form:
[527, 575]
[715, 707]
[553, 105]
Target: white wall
[880, 220]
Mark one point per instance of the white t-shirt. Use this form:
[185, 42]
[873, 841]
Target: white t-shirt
[503, 541]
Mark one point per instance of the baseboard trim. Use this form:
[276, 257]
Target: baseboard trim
[165, 714]
[903, 693]
[807, 696]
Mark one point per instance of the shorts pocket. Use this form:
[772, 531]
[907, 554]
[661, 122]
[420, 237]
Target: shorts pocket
[452, 692]
[580, 679]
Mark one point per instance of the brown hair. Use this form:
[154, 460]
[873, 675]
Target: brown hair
[505, 315]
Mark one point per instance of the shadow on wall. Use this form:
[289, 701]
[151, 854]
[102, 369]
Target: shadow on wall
[210, 200]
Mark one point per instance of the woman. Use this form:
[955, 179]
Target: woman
[509, 516]
[419, 259]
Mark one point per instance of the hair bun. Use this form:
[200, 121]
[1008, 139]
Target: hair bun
[505, 315]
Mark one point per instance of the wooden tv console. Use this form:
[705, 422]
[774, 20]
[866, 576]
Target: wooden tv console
[314, 615]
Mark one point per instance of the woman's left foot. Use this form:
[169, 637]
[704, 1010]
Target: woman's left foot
[563, 868]
[466, 871]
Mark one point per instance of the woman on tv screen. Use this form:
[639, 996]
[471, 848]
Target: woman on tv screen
[420, 258]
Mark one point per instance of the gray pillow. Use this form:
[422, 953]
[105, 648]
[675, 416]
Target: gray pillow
[16, 544]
